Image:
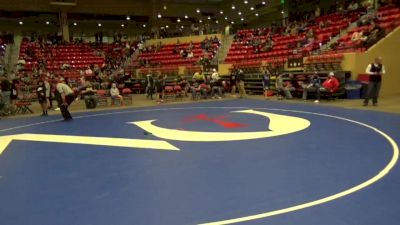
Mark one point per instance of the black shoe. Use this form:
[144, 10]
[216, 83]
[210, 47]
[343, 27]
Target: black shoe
[67, 119]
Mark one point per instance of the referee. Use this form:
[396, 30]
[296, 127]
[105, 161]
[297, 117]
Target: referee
[375, 71]
[65, 96]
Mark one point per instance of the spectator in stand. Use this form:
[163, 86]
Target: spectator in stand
[266, 82]
[216, 84]
[88, 94]
[317, 12]
[315, 86]
[330, 85]
[240, 82]
[353, 6]
[88, 72]
[375, 35]
[199, 76]
[5, 92]
[190, 54]
[375, 70]
[41, 95]
[14, 90]
[233, 82]
[284, 87]
[114, 92]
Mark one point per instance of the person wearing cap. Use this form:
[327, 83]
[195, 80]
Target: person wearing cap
[65, 96]
[331, 85]
[375, 71]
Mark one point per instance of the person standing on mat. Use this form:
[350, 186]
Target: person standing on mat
[240, 83]
[375, 71]
[65, 96]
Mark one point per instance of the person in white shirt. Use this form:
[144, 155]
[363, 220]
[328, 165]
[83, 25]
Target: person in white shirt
[114, 92]
[375, 70]
[216, 84]
[65, 96]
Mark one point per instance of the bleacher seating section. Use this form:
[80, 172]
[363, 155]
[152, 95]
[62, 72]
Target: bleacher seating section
[166, 57]
[388, 18]
[281, 51]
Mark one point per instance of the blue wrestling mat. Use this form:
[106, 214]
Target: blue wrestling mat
[240, 161]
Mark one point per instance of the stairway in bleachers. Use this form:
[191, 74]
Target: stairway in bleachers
[224, 49]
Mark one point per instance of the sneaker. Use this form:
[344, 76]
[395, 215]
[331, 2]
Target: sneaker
[316, 101]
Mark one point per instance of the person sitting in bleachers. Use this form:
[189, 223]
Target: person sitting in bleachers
[314, 85]
[284, 87]
[330, 85]
[216, 85]
[89, 94]
[114, 92]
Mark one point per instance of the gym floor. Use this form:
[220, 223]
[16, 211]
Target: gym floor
[242, 161]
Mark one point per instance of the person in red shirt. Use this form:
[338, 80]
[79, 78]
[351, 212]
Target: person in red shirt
[331, 85]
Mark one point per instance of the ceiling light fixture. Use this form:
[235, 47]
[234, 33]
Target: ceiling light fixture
[47, 22]
[75, 23]
[233, 7]
[198, 10]
[245, 2]
[186, 16]
[252, 8]
[128, 18]
[239, 13]
[99, 24]
[159, 15]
